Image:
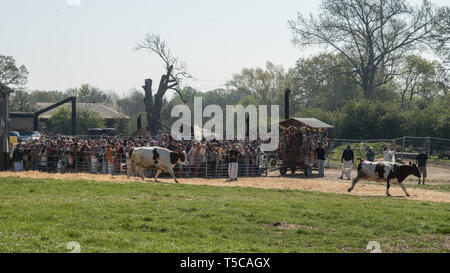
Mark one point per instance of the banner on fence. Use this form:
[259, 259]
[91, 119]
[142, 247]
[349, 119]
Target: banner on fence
[13, 139]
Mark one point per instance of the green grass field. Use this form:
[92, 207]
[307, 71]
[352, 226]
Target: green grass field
[439, 186]
[38, 215]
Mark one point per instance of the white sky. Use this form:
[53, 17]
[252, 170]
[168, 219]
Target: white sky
[65, 43]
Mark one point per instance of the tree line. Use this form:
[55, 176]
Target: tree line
[371, 80]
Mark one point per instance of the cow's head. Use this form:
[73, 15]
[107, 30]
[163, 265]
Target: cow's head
[183, 158]
[413, 169]
[179, 158]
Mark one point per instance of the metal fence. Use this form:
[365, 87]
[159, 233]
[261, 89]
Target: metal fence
[63, 161]
[69, 161]
[405, 148]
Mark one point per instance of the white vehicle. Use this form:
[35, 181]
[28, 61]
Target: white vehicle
[35, 135]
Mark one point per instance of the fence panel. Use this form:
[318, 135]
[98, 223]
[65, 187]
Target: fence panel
[69, 159]
[405, 148]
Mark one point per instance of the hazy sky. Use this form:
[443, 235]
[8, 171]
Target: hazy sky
[65, 43]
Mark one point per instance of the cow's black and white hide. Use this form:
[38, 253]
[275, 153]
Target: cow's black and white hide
[385, 172]
[155, 158]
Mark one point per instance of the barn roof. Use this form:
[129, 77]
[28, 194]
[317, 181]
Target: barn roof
[310, 122]
[102, 110]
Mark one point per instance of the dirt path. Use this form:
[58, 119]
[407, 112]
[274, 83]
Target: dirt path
[330, 183]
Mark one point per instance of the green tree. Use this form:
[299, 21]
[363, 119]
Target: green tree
[432, 120]
[21, 101]
[132, 104]
[10, 73]
[369, 120]
[48, 96]
[87, 93]
[264, 85]
[323, 81]
[92, 94]
[122, 125]
[372, 35]
[60, 121]
[417, 73]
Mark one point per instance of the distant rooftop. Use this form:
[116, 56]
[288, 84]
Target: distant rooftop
[310, 122]
[104, 111]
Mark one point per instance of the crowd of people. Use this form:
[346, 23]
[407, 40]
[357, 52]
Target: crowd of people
[213, 158]
[109, 155]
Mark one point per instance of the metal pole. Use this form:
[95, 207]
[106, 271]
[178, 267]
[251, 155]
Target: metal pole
[403, 147]
[206, 166]
[74, 117]
[36, 122]
[286, 104]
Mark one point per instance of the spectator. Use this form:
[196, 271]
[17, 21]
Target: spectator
[17, 158]
[202, 158]
[259, 155]
[389, 154]
[212, 156]
[385, 154]
[320, 152]
[109, 156]
[43, 159]
[347, 158]
[246, 160]
[59, 164]
[94, 159]
[81, 154]
[422, 159]
[233, 157]
[127, 152]
[370, 155]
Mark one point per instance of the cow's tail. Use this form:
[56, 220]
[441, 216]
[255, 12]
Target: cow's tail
[130, 153]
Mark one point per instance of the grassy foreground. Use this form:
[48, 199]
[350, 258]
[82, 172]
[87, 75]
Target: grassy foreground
[38, 215]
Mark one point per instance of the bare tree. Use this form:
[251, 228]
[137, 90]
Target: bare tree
[175, 71]
[373, 35]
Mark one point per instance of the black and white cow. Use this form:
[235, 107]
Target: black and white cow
[155, 158]
[385, 172]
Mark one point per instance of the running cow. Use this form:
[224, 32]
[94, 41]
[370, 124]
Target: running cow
[385, 172]
[155, 158]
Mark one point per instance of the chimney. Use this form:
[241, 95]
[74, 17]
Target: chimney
[286, 104]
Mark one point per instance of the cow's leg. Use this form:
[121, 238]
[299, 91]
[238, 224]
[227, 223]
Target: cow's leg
[404, 189]
[157, 174]
[139, 171]
[130, 169]
[357, 178]
[388, 185]
[170, 170]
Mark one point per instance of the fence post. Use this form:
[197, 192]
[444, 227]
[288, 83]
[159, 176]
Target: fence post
[403, 147]
[206, 167]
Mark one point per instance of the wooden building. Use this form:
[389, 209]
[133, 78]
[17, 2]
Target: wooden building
[4, 126]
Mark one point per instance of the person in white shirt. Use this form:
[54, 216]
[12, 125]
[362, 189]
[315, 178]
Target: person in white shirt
[385, 154]
[389, 154]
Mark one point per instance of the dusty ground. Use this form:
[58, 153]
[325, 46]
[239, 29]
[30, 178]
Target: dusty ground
[330, 183]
